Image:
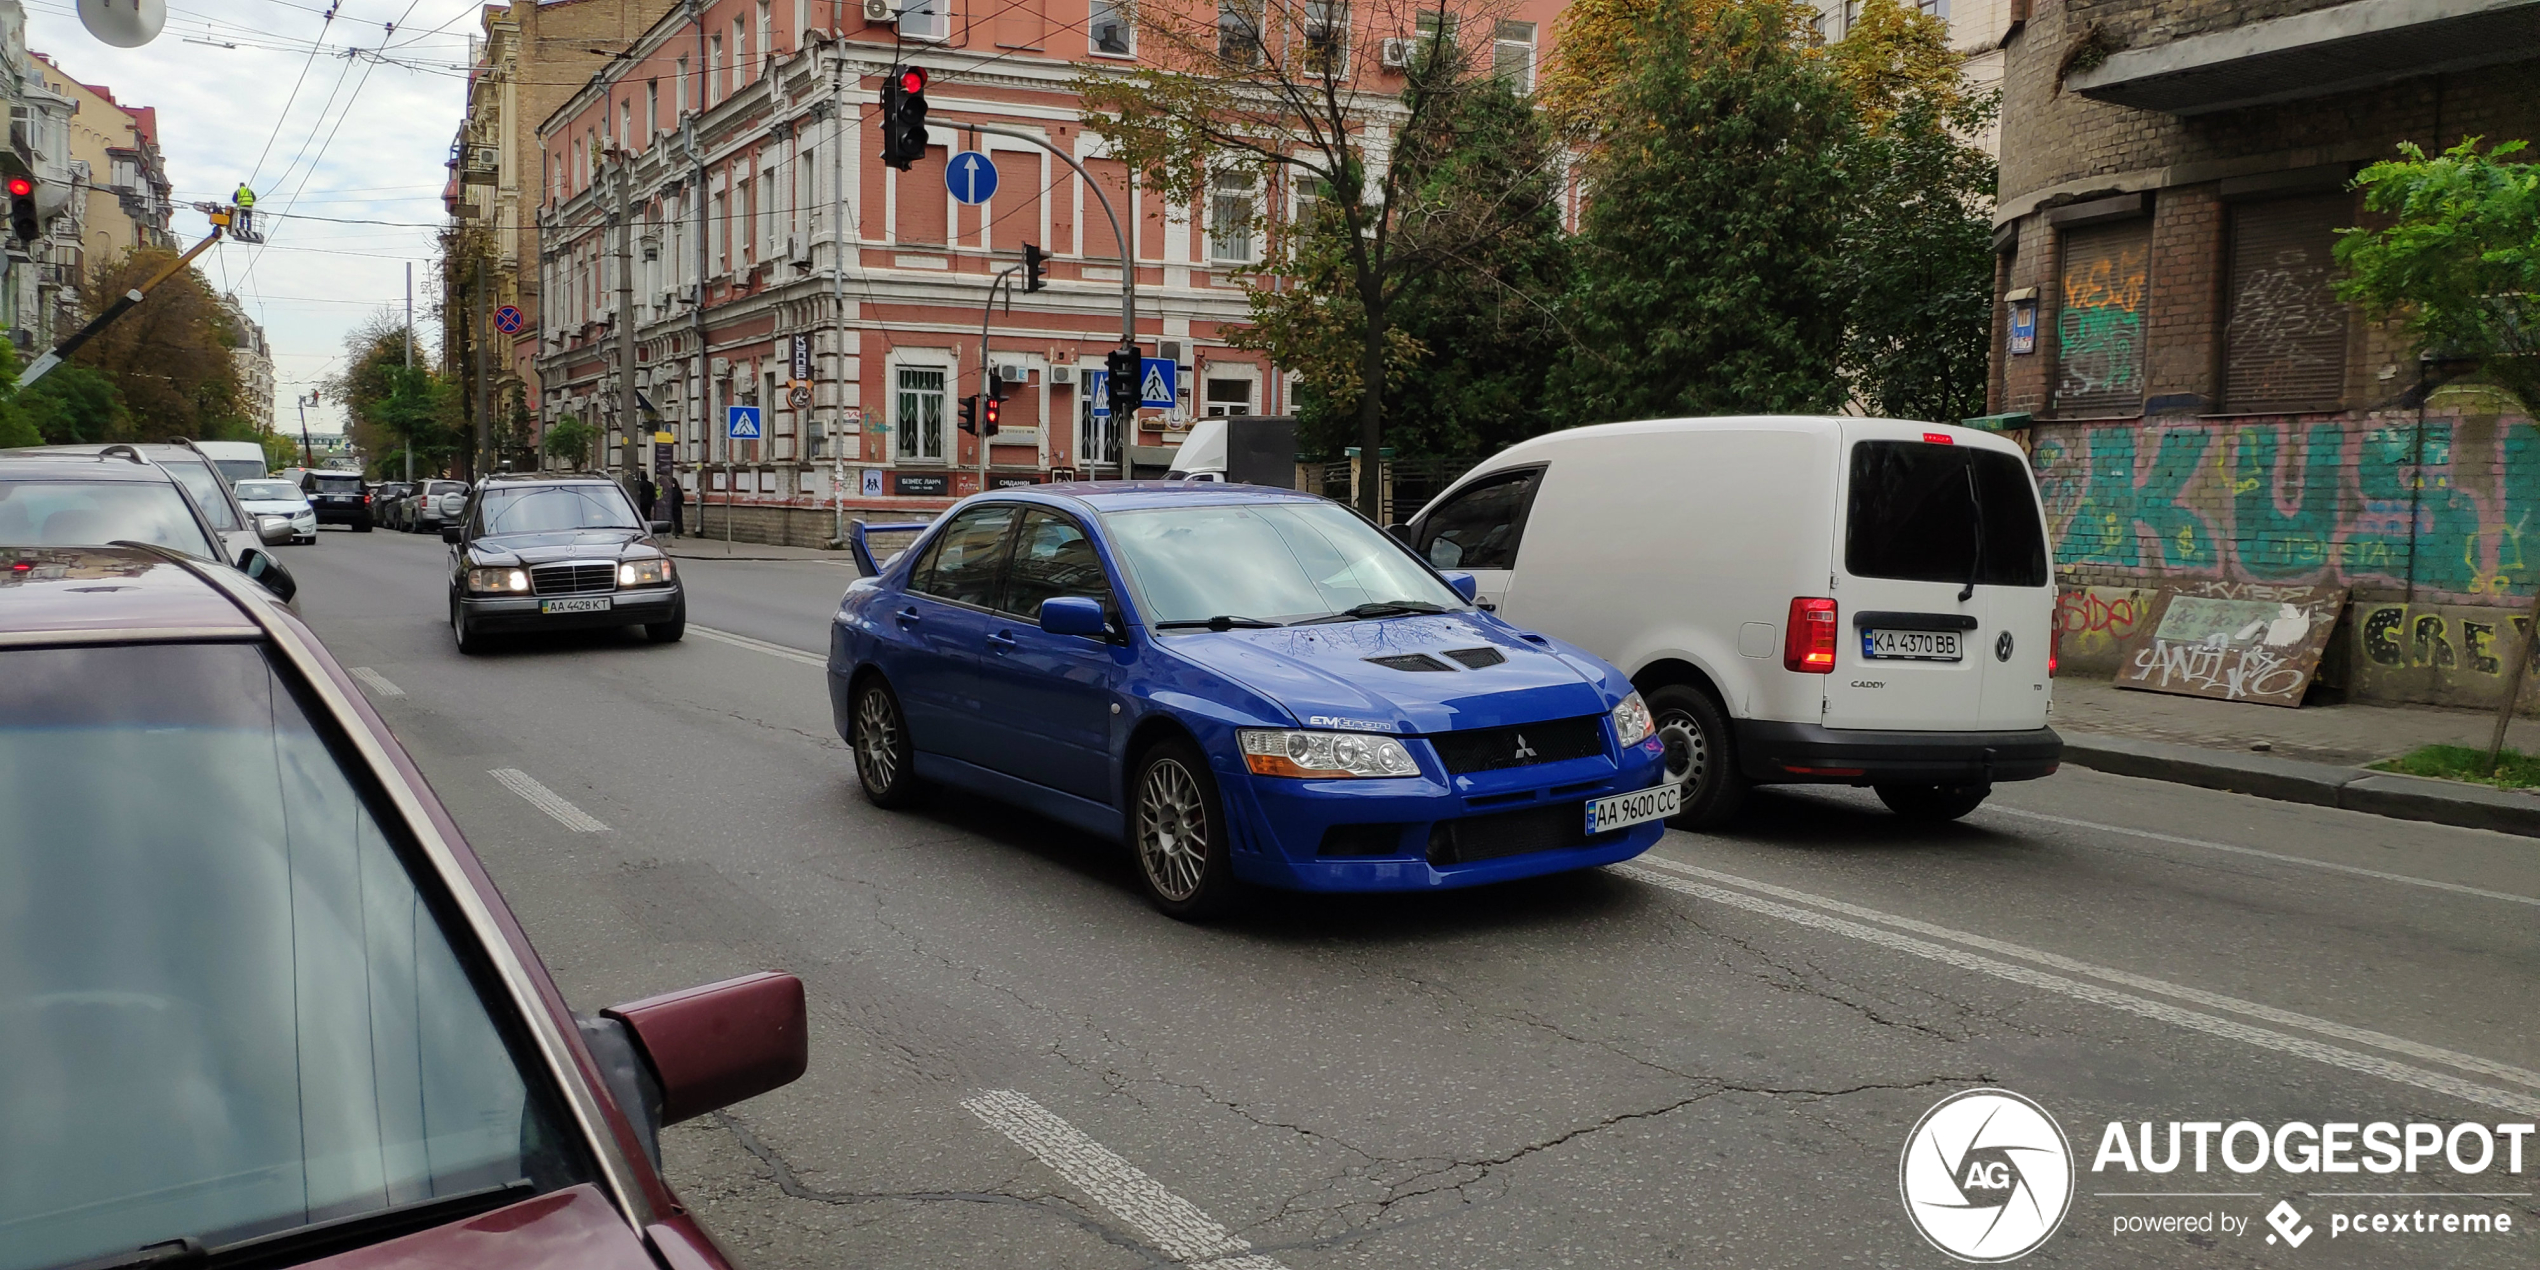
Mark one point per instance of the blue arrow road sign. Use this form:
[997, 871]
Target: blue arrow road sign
[741, 423]
[971, 177]
[1157, 378]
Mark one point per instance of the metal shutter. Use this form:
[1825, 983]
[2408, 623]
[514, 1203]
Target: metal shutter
[2099, 320]
[2284, 347]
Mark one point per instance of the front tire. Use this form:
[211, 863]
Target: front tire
[1934, 803]
[1701, 756]
[1177, 829]
[885, 761]
[463, 631]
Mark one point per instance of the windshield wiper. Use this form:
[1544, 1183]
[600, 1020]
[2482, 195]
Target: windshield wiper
[1221, 622]
[1377, 608]
[304, 1243]
[1975, 567]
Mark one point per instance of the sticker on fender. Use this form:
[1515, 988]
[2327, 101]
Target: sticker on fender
[1604, 815]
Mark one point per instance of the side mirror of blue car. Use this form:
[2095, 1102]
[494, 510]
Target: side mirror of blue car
[1074, 615]
[1464, 583]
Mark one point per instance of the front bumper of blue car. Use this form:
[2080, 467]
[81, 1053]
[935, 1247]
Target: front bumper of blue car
[1434, 831]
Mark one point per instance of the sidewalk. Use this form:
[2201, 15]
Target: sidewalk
[718, 549]
[2311, 755]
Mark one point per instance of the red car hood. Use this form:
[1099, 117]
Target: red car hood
[572, 1229]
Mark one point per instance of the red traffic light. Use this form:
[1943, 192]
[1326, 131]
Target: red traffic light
[20, 187]
[913, 80]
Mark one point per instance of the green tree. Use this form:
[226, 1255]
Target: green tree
[75, 404]
[394, 409]
[569, 439]
[167, 359]
[1293, 90]
[16, 427]
[1917, 262]
[1709, 251]
[2458, 264]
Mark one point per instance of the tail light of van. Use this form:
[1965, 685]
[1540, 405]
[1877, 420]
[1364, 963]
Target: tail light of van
[2054, 642]
[1808, 642]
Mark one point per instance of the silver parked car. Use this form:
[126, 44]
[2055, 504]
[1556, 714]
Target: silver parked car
[264, 498]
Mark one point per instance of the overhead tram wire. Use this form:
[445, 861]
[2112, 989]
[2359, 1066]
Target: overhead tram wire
[258, 170]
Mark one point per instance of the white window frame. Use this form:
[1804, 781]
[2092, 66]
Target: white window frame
[908, 410]
[1221, 186]
[1503, 41]
[1333, 17]
[1235, 373]
[1255, 13]
[1108, 14]
[928, 20]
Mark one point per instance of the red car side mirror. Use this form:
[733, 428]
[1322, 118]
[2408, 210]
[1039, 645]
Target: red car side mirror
[716, 1045]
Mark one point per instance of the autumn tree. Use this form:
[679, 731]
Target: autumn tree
[1293, 95]
[394, 409]
[167, 358]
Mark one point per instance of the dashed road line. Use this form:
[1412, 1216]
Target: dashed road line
[759, 646]
[1172, 1223]
[2160, 1011]
[2056, 961]
[376, 682]
[2358, 871]
[547, 800]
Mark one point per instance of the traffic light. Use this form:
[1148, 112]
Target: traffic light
[1033, 259]
[23, 221]
[970, 415]
[988, 410]
[904, 116]
[1120, 367]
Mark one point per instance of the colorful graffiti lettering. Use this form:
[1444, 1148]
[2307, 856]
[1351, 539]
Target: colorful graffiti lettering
[2371, 502]
[2099, 326]
[2092, 618]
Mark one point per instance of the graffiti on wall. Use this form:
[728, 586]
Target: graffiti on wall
[2099, 325]
[2398, 637]
[2316, 502]
[2238, 641]
[2091, 622]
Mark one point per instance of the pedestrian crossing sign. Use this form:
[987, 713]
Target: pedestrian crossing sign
[1158, 378]
[741, 423]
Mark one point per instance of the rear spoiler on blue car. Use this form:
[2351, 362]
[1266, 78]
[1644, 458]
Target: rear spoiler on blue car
[856, 530]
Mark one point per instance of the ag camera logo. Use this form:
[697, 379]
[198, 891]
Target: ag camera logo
[1986, 1176]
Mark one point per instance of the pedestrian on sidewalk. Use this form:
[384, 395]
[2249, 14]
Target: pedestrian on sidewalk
[645, 493]
[675, 496]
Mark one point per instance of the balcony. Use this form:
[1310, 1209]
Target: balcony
[2339, 49]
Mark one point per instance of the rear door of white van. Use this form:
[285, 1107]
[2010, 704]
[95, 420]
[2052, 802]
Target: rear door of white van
[1941, 552]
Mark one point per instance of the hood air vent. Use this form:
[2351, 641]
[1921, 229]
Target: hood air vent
[1477, 658]
[1412, 661]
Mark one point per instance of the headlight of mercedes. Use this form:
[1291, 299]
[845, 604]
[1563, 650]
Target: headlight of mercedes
[1325, 755]
[1631, 721]
[652, 572]
[498, 579]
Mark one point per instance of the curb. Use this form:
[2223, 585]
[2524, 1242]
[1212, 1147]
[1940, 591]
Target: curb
[2319, 784]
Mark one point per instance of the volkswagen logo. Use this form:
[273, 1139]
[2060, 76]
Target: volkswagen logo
[2002, 647]
[1986, 1175]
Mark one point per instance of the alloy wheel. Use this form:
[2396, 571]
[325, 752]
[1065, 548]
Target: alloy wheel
[1172, 830]
[877, 730]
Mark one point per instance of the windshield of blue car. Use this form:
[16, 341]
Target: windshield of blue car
[547, 509]
[93, 513]
[268, 492]
[226, 1008]
[1280, 562]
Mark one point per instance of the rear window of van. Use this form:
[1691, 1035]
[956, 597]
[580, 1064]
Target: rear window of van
[1921, 512]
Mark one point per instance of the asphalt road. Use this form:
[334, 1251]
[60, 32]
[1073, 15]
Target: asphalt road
[1712, 1056]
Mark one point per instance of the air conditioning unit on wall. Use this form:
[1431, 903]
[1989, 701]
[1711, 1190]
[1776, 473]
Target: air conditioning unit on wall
[880, 11]
[1396, 54]
[1012, 374]
[1061, 376]
[722, 367]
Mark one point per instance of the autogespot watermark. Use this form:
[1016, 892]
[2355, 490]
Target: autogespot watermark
[1987, 1175]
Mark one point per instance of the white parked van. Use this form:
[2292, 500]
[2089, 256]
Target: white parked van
[1828, 600]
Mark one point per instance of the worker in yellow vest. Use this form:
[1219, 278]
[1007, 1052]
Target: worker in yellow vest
[242, 223]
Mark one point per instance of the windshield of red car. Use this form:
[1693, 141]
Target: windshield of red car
[226, 1008]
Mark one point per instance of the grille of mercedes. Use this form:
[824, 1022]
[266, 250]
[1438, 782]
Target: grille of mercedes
[572, 579]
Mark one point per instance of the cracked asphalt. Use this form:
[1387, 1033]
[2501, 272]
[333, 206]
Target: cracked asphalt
[1711, 1057]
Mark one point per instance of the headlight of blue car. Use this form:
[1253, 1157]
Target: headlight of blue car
[1631, 721]
[1324, 755]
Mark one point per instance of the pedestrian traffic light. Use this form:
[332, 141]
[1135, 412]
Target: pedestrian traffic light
[1120, 367]
[970, 415]
[23, 222]
[1033, 260]
[904, 116]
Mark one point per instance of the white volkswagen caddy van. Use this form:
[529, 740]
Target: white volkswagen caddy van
[1827, 600]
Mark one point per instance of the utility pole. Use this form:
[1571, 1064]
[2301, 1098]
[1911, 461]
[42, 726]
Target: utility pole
[838, 299]
[697, 301]
[626, 411]
[484, 396]
[410, 359]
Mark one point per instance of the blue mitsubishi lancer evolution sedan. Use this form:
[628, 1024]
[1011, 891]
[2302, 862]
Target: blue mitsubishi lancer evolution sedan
[1251, 686]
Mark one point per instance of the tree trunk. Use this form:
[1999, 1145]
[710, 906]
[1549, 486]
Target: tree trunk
[1371, 415]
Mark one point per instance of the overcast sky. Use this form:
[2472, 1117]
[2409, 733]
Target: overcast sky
[361, 140]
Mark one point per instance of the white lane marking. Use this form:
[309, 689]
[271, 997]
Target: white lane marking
[759, 646]
[547, 800]
[1171, 1222]
[2216, 1000]
[2160, 1011]
[376, 682]
[2174, 839]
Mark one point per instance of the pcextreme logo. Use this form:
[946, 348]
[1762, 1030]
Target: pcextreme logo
[1986, 1176]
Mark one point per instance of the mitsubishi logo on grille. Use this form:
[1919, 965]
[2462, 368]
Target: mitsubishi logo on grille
[1524, 750]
